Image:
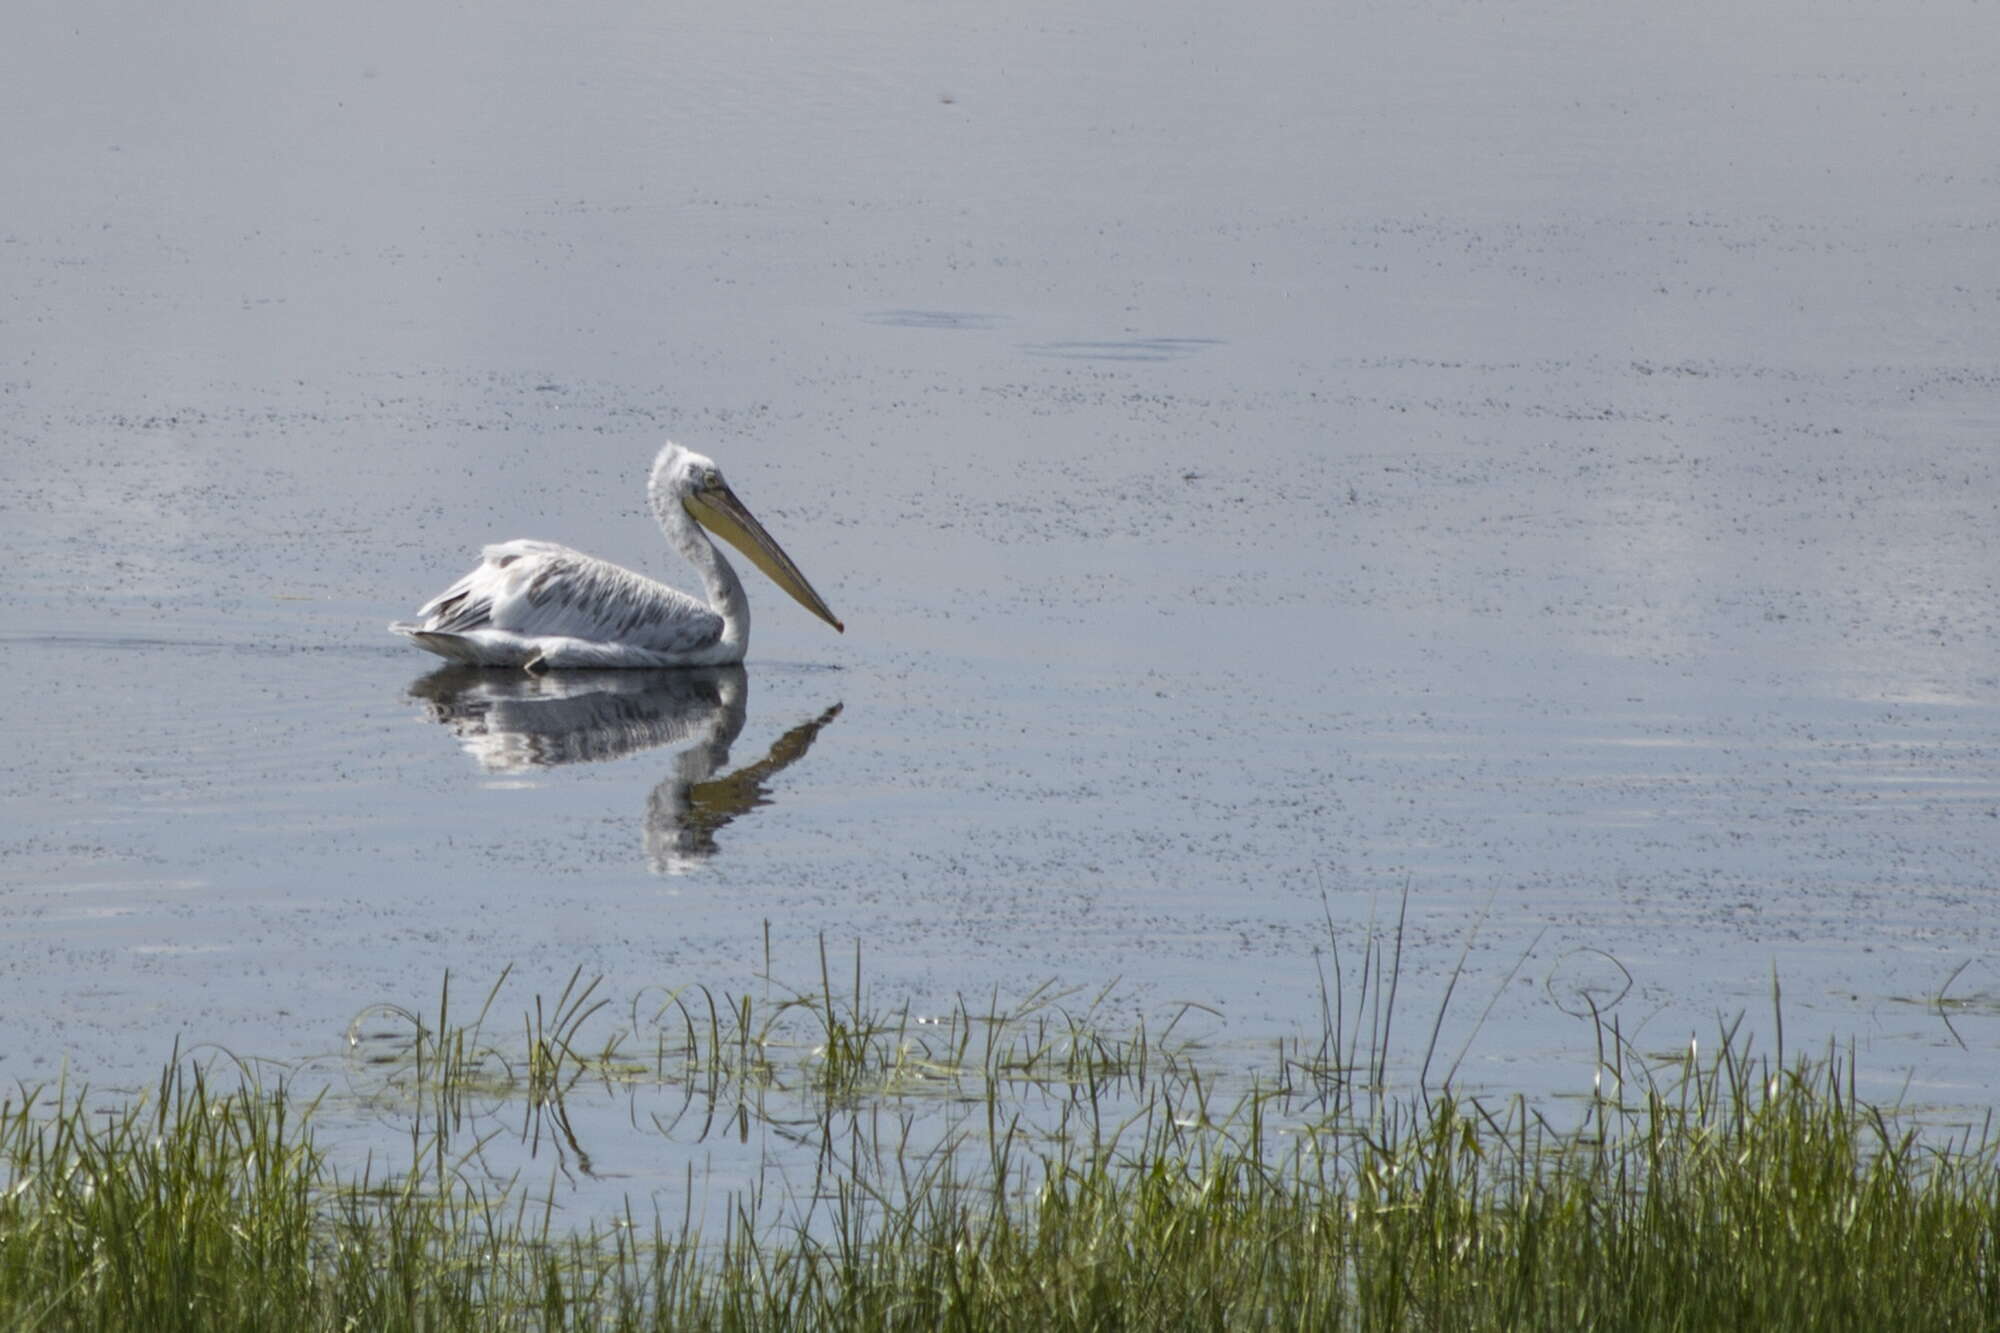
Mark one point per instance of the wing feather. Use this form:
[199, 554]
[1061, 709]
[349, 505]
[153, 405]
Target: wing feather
[541, 589]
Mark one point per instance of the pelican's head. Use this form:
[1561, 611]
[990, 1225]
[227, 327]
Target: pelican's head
[684, 477]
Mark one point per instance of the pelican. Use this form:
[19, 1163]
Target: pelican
[543, 606]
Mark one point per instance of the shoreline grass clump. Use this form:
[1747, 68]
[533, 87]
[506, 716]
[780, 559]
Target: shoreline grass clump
[1079, 1182]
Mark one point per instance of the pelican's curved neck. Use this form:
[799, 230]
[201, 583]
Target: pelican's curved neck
[718, 579]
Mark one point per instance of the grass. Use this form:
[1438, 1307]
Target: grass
[1081, 1181]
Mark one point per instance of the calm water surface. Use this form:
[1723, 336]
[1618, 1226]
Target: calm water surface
[1540, 462]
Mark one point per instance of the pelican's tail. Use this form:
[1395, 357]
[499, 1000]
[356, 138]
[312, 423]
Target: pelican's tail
[469, 649]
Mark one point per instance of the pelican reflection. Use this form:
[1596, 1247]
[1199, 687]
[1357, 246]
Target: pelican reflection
[512, 723]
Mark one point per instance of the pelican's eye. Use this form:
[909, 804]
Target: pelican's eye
[710, 479]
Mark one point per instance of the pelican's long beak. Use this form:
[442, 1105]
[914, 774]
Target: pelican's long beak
[717, 509]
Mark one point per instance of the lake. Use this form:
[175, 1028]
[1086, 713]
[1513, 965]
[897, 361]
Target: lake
[1526, 471]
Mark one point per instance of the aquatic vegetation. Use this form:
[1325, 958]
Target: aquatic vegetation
[1093, 1181]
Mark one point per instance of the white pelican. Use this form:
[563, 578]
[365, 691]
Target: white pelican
[541, 606]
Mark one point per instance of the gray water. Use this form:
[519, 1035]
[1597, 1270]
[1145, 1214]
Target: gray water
[1539, 460]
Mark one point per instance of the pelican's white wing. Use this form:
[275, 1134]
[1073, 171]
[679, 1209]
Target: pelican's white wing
[530, 601]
